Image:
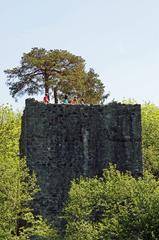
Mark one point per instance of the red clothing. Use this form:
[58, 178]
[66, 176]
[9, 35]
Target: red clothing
[46, 99]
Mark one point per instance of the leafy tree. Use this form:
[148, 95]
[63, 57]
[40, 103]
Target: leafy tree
[93, 88]
[116, 206]
[9, 131]
[17, 186]
[150, 137]
[55, 70]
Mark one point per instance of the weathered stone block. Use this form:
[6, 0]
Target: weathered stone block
[62, 142]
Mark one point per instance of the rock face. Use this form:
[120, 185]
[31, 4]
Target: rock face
[62, 142]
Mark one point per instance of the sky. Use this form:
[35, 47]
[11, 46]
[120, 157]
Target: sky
[119, 39]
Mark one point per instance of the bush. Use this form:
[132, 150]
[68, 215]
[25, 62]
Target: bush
[116, 206]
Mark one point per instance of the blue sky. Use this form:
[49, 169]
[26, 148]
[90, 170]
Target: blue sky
[118, 38]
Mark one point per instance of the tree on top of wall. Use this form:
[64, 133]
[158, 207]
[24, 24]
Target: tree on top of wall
[56, 71]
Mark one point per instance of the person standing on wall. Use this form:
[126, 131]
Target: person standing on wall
[82, 101]
[65, 101]
[74, 101]
[46, 98]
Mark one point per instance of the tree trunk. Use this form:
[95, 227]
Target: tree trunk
[55, 95]
[47, 90]
[46, 85]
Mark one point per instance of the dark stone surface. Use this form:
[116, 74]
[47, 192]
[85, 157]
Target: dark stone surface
[62, 142]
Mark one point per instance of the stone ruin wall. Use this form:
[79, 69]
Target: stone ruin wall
[63, 142]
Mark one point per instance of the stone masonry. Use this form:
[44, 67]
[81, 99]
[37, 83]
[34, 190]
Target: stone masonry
[63, 142]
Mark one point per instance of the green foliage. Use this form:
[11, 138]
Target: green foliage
[56, 70]
[114, 207]
[150, 137]
[130, 101]
[9, 131]
[93, 88]
[38, 228]
[17, 186]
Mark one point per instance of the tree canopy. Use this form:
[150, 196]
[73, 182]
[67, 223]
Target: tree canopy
[150, 137]
[116, 206]
[57, 71]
